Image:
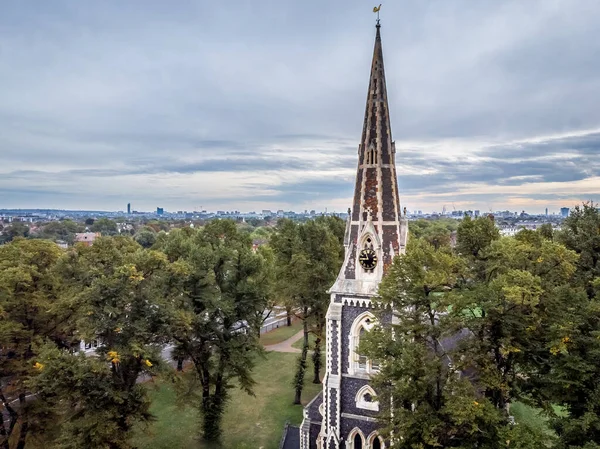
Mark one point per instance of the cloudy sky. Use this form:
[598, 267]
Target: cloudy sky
[259, 103]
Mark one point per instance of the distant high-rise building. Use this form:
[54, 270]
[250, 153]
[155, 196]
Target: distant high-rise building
[546, 212]
[160, 211]
[129, 208]
[477, 213]
[564, 212]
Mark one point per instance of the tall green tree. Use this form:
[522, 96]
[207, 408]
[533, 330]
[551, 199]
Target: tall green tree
[32, 311]
[14, 230]
[510, 297]
[126, 303]
[581, 233]
[501, 320]
[60, 230]
[568, 370]
[474, 235]
[427, 396]
[308, 257]
[105, 226]
[146, 237]
[220, 312]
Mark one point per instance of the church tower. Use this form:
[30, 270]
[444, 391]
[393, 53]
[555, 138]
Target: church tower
[343, 415]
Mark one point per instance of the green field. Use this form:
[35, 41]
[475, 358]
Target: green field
[534, 417]
[249, 422]
[311, 343]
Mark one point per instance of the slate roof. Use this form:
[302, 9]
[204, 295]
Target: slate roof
[291, 438]
[313, 408]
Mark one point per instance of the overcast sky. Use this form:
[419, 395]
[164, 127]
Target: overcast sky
[259, 103]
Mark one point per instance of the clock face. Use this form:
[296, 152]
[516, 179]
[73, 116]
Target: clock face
[367, 259]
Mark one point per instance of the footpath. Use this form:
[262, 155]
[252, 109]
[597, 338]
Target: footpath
[286, 345]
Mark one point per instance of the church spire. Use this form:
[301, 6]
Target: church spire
[376, 231]
[376, 219]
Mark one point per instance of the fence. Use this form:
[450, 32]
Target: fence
[280, 322]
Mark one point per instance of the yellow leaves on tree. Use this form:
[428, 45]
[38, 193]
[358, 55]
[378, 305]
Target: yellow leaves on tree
[113, 356]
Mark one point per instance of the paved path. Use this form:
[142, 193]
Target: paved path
[286, 345]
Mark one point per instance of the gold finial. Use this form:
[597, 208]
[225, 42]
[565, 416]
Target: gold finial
[376, 9]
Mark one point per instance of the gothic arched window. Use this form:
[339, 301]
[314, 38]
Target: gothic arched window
[362, 359]
[359, 363]
[375, 441]
[356, 440]
[365, 399]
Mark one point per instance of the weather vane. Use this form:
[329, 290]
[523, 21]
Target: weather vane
[376, 9]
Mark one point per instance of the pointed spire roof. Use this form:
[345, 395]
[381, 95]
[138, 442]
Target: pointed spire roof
[375, 215]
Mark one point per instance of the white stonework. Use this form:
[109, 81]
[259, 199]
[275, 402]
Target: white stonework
[375, 222]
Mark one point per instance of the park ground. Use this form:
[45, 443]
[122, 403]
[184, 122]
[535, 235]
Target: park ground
[249, 422]
[253, 422]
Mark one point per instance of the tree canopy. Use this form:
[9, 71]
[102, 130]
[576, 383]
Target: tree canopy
[490, 322]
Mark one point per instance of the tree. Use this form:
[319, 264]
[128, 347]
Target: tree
[422, 228]
[266, 279]
[505, 306]
[16, 229]
[428, 393]
[105, 226]
[146, 237]
[473, 235]
[220, 312]
[546, 231]
[126, 303]
[60, 230]
[436, 232]
[581, 233]
[568, 369]
[32, 311]
[308, 257]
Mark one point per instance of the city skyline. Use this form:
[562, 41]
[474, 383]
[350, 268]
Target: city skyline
[257, 107]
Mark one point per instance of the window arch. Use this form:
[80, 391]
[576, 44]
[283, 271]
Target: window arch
[356, 439]
[365, 399]
[357, 442]
[375, 441]
[371, 154]
[359, 363]
[367, 241]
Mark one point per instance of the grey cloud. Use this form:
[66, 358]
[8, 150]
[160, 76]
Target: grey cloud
[143, 89]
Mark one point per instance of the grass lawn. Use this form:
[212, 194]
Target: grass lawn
[311, 343]
[249, 422]
[533, 417]
[281, 334]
